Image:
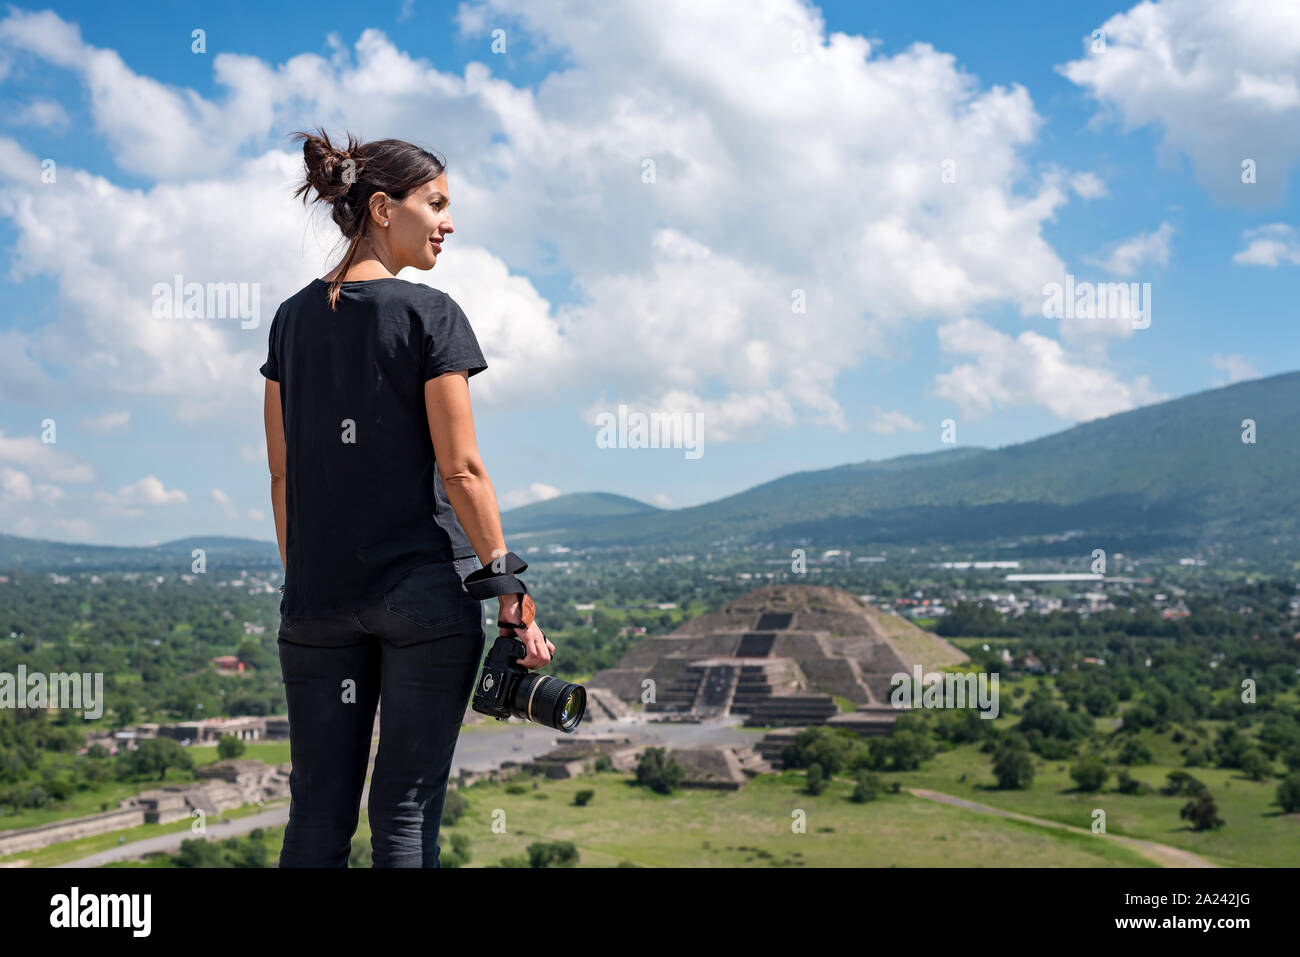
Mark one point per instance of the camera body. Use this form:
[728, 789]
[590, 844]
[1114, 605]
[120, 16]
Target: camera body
[506, 688]
[499, 680]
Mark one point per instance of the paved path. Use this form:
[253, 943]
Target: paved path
[171, 843]
[1162, 854]
[477, 751]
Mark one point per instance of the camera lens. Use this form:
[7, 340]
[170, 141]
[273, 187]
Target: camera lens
[549, 701]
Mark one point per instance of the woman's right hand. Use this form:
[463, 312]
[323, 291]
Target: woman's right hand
[538, 647]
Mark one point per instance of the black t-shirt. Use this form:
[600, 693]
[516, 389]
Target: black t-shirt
[364, 500]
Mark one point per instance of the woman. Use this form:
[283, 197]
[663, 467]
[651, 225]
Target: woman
[381, 505]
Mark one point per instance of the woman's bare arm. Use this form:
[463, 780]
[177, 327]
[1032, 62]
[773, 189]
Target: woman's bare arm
[271, 413]
[470, 491]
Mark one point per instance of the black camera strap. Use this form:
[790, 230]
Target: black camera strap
[486, 582]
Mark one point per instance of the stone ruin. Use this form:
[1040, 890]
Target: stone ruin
[778, 656]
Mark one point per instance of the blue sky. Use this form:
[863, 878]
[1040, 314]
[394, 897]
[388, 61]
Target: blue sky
[916, 173]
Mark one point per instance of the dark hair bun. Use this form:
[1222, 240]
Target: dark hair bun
[331, 172]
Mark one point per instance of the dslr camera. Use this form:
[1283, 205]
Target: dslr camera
[506, 688]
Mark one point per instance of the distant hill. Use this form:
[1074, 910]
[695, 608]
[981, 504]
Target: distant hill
[1175, 475]
[1170, 476]
[39, 555]
[567, 513]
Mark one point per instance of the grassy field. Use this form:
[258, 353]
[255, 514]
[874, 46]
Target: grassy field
[1256, 832]
[624, 824]
[752, 828]
[272, 752]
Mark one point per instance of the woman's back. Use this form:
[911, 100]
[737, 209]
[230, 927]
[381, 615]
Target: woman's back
[365, 504]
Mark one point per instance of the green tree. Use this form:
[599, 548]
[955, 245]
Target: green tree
[155, 756]
[815, 780]
[230, 747]
[454, 806]
[1125, 783]
[553, 854]
[659, 771]
[868, 787]
[1202, 812]
[458, 855]
[1013, 765]
[1230, 747]
[1089, 773]
[1180, 782]
[1288, 793]
[1254, 765]
[1100, 702]
[835, 749]
[907, 749]
[1134, 752]
[251, 852]
[199, 852]
[1292, 758]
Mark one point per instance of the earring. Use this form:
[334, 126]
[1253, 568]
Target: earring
[385, 222]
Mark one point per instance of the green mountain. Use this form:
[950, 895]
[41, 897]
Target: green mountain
[1170, 476]
[1175, 475]
[39, 555]
[567, 513]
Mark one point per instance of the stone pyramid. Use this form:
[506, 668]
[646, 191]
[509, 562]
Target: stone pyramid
[778, 654]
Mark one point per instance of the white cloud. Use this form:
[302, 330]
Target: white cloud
[108, 422]
[1218, 78]
[700, 306]
[147, 491]
[27, 506]
[1237, 368]
[662, 500]
[1131, 254]
[43, 459]
[1030, 370]
[535, 492]
[207, 367]
[1088, 185]
[41, 112]
[16, 485]
[256, 515]
[887, 423]
[154, 129]
[1270, 246]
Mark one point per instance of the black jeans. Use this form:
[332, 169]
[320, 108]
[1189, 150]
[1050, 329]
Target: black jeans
[417, 649]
